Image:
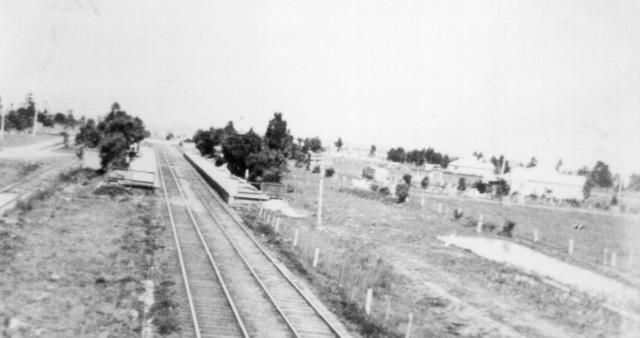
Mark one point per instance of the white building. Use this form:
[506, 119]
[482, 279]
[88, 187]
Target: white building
[473, 167]
[540, 181]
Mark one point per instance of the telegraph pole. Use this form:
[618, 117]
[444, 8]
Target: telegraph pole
[35, 121]
[1, 124]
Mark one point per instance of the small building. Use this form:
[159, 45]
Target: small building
[545, 182]
[472, 167]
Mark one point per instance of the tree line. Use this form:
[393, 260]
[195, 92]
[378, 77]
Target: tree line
[22, 118]
[418, 157]
[264, 158]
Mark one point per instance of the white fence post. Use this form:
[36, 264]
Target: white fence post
[368, 300]
[277, 227]
[408, 334]
[479, 225]
[387, 310]
[614, 259]
[536, 236]
[571, 246]
[605, 251]
[295, 237]
[315, 257]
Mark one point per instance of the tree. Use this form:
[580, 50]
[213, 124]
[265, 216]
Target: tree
[114, 136]
[372, 151]
[601, 176]
[277, 136]
[462, 184]
[339, 144]
[397, 155]
[313, 144]
[207, 140]
[532, 162]
[89, 135]
[169, 136]
[236, 149]
[70, 120]
[60, 119]
[498, 163]
[559, 164]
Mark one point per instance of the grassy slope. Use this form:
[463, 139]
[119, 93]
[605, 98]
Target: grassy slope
[392, 248]
[74, 263]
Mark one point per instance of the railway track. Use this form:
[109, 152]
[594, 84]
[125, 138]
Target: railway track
[301, 316]
[212, 310]
[22, 188]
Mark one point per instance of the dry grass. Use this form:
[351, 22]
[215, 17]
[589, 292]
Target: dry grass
[78, 267]
[368, 242]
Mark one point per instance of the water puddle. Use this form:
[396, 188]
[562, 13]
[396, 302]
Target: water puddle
[535, 262]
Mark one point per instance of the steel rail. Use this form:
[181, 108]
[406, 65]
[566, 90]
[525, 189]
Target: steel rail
[246, 262]
[208, 252]
[239, 224]
[183, 270]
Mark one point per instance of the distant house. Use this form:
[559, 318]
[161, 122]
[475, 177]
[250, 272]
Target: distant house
[541, 181]
[471, 166]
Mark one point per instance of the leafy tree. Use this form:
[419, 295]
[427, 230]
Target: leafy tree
[402, 192]
[207, 140]
[601, 176]
[425, 182]
[70, 120]
[313, 144]
[558, 164]
[587, 187]
[89, 134]
[584, 171]
[532, 162]
[497, 164]
[60, 119]
[114, 135]
[236, 149]
[339, 144]
[397, 155]
[45, 118]
[277, 135]
[372, 151]
[462, 184]
[169, 136]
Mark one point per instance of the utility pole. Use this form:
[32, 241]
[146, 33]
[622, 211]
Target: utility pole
[320, 188]
[1, 124]
[35, 121]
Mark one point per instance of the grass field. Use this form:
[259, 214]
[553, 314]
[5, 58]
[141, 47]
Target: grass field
[75, 263]
[17, 140]
[371, 242]
[603, 231]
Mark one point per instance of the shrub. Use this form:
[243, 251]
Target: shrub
[316, 170]
[402, 192]
[425, 182]
[507, 229]
[462, 184]
[407, 179]
[329, 172]
[457, 214]
[384, 191]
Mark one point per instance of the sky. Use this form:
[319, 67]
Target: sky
[550, 79]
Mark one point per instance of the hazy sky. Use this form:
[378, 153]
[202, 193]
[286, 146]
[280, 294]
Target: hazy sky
[527, 78]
